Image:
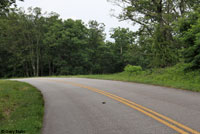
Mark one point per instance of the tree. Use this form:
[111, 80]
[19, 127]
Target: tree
[53, 25]
[189, 34]
[68, 41]
[124, 40]
[22, 36]
[156, 17]
[33, 33]
[150, 12]
[39, 31]
[96, 37]
[5, 4]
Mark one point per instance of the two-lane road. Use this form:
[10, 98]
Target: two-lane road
[89, 106]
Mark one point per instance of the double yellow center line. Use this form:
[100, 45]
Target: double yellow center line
[180, 128]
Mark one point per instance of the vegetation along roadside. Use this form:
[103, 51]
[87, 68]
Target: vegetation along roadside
[175, 77]
[21, 108]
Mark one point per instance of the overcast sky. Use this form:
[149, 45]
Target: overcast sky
[85, 10]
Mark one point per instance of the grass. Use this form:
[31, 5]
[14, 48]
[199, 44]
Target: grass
[174, 77]
[21, 107]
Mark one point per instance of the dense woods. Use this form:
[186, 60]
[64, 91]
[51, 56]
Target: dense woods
[36, 44]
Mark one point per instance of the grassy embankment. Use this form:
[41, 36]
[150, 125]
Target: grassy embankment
[21, 108]
[170, 77]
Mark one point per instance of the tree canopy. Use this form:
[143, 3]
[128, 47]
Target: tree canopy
[37, 44]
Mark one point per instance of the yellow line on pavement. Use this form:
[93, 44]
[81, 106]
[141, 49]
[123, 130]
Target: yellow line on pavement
[139, 108]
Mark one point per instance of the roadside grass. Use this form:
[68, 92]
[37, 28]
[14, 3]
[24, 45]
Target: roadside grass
[174, 77]
[21, 107]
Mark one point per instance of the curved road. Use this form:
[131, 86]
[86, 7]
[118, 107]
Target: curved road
[89, 106]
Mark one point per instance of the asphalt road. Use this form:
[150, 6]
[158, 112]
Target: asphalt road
[89, 106]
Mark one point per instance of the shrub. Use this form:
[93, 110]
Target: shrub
[132, 69]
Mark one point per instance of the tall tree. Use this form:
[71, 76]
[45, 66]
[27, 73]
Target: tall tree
[67, 40]
[148, 12]
[156, 17]
[124, 39]
[189, 34]
[96, 37]
[5, 5]
[53, 26]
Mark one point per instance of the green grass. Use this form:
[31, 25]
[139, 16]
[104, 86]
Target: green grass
[169, 77]
[21, 107]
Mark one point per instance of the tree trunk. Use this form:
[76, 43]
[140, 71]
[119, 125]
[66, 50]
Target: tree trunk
[33, 62]
[38, 57]
[38, 65]
[27, 73]
[50, 71]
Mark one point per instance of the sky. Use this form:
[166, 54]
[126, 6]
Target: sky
[86, 10]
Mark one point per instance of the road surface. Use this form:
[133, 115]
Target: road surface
[90, 106]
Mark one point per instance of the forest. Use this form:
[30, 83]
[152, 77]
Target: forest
[37, 44]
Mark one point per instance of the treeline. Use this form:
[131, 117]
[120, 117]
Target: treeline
[33, 44]
[36, 44]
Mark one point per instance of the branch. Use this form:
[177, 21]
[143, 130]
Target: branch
[143, 24]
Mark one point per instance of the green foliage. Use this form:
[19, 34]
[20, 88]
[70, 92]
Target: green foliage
[132, 69]
[189, 34]
[21, 107]
[96, 44]
[174, 77]
[163, 50]
[34, 44]
[123, 38]
[123, 47]
[5, 4]
[68, 40]
[156, 20]
[147, 13]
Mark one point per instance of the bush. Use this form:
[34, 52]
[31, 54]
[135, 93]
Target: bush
[132, 69]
